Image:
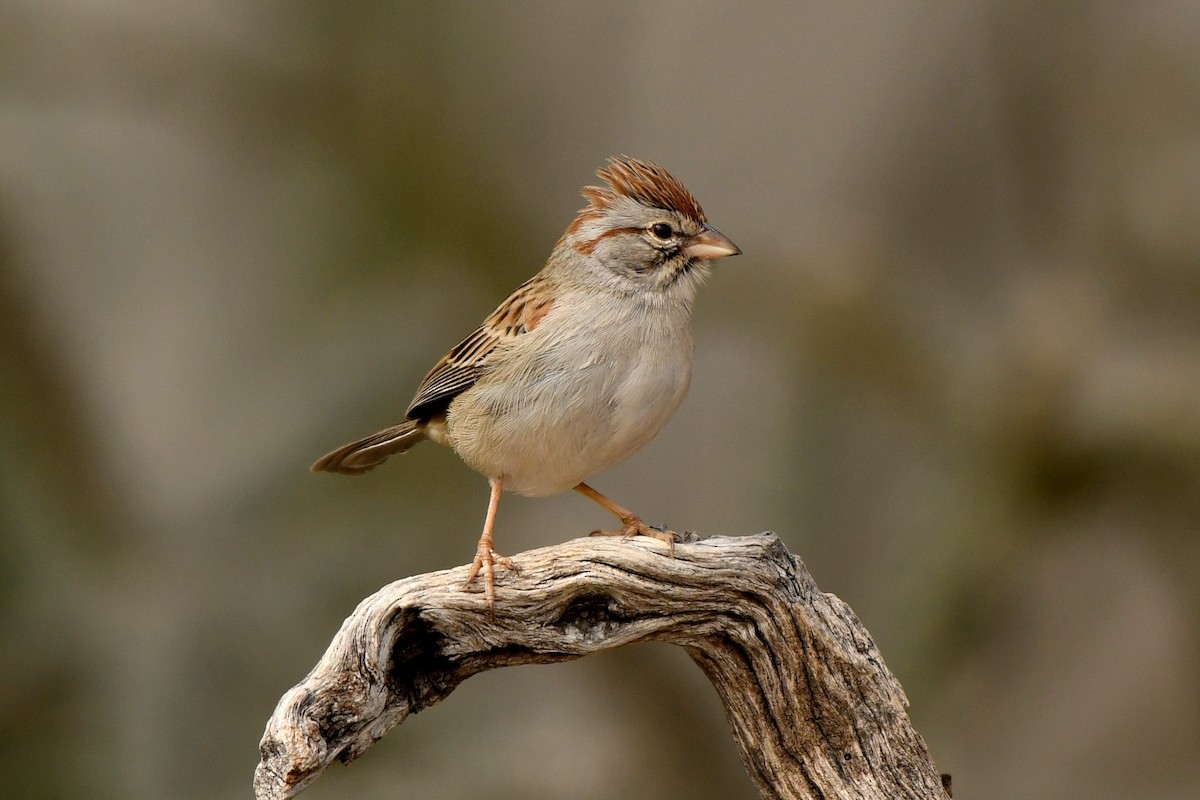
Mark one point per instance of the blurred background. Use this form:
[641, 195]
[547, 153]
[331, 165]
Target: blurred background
[957, 370]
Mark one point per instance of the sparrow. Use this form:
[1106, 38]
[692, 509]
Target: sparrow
[580, 367]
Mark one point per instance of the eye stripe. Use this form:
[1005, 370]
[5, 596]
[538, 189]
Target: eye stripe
[588, 246]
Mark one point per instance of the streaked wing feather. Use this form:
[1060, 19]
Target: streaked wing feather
[454, 374]
[468, 360]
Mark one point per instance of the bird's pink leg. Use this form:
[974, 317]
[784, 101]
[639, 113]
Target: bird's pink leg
[631, 524]
[485, 557]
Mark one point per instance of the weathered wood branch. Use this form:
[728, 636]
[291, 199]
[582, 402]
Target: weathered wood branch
[814, 710]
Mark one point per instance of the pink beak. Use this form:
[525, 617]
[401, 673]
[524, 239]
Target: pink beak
[709, 244]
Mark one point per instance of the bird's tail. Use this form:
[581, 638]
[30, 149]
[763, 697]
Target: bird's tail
[365, 454]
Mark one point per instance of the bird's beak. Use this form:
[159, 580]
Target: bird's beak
[710, 244]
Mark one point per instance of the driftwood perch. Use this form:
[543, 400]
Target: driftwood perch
[815, 711]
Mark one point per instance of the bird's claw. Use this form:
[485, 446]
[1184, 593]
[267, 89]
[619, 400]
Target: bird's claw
[485, 561]
[634, 526]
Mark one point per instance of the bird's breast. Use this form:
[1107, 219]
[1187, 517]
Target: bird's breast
[584, 398]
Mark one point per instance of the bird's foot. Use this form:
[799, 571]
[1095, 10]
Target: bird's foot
[635, 526]
[485, 561]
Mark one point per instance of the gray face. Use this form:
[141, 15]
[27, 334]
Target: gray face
[651, 255]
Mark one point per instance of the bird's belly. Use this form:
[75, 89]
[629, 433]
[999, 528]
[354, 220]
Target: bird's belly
[566, 425]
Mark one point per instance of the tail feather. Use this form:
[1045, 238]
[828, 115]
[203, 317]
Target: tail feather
[366, 454]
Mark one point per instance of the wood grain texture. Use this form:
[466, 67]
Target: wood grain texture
[813, 708]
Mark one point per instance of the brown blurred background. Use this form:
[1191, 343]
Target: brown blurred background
[957, 369]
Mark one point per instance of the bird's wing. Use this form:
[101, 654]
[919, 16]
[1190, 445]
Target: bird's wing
[459, 369]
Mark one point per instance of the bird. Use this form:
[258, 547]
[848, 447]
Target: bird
[580, 367]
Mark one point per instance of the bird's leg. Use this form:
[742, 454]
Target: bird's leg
[485, 557]
[631, 523]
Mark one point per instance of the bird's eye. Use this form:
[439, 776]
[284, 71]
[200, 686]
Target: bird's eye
[662, 230]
